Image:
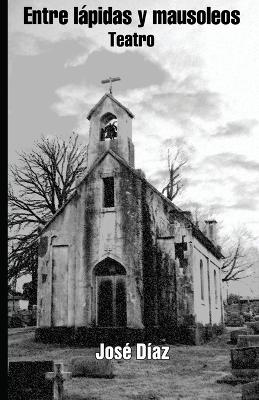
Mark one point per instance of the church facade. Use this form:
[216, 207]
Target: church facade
[119, 262]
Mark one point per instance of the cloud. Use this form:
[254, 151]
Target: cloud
[233, 161]
[247, 203]
[249, 188]
[24, 45]
[101, 64]
[32, 85]
[236, 128]
[184, 104]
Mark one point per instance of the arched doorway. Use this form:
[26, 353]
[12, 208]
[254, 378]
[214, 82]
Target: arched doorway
[111, 301]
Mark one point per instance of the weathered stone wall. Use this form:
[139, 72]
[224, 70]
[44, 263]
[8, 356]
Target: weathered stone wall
[168, 289]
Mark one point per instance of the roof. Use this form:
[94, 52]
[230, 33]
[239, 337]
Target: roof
[195, 231]
[113, 99]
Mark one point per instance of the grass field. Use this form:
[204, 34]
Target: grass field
[191, 373]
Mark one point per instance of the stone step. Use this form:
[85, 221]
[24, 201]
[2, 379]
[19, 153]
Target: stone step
[248, 341]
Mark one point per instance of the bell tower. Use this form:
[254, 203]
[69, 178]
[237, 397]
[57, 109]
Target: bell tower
[110, 128]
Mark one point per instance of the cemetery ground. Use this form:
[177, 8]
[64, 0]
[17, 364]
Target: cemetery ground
[191, 373]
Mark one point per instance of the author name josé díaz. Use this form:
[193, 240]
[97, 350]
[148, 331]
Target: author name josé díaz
[143, 352]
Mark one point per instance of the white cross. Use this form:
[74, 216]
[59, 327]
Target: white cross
[58, 377]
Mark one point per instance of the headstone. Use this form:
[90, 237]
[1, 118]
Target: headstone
[256, 317]
[234, 335]
[253, 326]
[250, 391]
[234, 317]
[91, 367]
[235, 320]
[248, 341]
[26, 380]
[57, 378]
[245, 361]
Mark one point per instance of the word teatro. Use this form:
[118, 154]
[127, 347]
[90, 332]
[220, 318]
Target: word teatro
[134, 40]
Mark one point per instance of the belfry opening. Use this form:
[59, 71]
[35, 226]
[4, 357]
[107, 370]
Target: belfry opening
[108, 127]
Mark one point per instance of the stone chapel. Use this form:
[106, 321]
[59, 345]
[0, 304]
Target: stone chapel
[119, 262]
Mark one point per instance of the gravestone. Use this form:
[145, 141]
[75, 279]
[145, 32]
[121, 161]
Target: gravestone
[234, 318]
[26, 380]
[250, 391]
[91, 367]
[253, 327]
[234, 335]
[248, 341]
[245, 361]
[57, 378]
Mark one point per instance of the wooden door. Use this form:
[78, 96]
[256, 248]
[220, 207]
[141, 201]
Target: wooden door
[111, 301]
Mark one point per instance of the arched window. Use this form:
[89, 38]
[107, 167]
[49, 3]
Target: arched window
[109, 127]
[111, 294]
[216, 287]
[202, 279]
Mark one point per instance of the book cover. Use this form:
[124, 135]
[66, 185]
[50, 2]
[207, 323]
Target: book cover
[134, 173]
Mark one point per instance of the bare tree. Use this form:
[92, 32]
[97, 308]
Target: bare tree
[238, 262]
[239, 255]
[41, 184]
[175, 165]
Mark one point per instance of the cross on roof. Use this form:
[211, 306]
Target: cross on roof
[58, 377]
[110, 80]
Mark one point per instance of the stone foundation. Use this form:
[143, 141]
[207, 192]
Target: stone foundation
[89, 337]
[92, 337]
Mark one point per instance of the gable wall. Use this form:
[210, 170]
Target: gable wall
[93, 233]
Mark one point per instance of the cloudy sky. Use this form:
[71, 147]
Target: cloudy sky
[197, 88]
